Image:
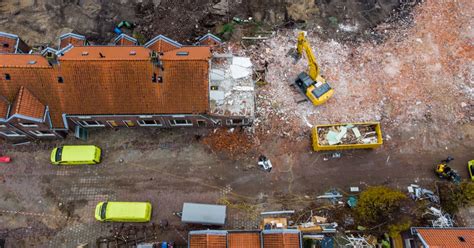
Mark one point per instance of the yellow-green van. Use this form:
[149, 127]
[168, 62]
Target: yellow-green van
[123, 211]
[72, 155]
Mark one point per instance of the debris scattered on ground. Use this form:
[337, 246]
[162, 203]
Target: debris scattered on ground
[442, 220]
[352, 201]
[332, 195]
[5, 159]
[418, 193]
[377, 82]
[265, 163]
[233, 143]
[354, 189]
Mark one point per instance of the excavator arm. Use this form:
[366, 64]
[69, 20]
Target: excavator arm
[303, 45]
[311, 84]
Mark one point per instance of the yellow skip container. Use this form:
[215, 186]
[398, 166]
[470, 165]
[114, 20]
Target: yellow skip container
[349, 135]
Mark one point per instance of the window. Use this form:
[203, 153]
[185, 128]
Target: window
[28, 125]
[156, 79]
[149, 123]
[129, 123]
[7, 76]
[182, 53]
[237, 122]
[42, 133]
[11, 133]
[91, 124]
[60, 80]
[112, 123]
[181, 122]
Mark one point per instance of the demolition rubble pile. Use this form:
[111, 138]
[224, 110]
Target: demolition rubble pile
[400, 82]
[233, 142]
[348, 134]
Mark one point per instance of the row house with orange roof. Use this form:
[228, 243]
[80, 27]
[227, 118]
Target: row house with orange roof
[11, 43]
[276, 238]
[161, 84]
[450, 237]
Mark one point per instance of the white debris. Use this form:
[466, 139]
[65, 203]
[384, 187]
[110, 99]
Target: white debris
[243, 88]
[217, 75]
[217, 95]
[232, 86]
[348, 28]
[239, 71]
[442, 220]
[242, 62]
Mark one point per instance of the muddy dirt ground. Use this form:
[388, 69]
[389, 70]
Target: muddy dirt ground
[51, 206]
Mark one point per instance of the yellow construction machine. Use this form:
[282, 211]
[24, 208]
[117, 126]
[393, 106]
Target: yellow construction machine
[314, 86]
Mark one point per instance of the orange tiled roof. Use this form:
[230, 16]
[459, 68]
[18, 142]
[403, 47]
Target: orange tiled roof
[281, 240]
[11, 43]
[188, 53]
[208, 241]
[162, 43]
[71, 38]
[23, 60]
[3, 108]
[28, 105]
[120, 83]
[210, 40]
[125, 40]
[447, 237]
[108, 53]
[244, 240]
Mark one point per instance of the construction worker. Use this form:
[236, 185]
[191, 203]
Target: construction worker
[443, 169]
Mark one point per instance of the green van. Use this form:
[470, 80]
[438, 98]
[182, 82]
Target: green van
[77, 154]
[123, 211]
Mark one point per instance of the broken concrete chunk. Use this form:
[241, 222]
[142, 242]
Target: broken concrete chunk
[217, 75]
[341, 134]
[239, 71]
[356, 132]
[242, 61]
[332, 138]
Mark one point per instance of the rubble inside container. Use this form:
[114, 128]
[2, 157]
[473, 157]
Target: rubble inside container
[348, 134]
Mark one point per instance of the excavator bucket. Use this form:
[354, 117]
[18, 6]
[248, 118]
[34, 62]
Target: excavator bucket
[294, 54]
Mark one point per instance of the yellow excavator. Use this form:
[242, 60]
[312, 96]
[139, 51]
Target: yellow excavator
[314, 86]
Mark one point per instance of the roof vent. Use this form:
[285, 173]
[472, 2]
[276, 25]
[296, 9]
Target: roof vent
[133, 53]
[32, 62]
[461, 238]
[85, 53]
[101, 55]
[182, 53]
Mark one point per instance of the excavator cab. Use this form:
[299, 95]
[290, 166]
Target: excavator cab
[317, 92]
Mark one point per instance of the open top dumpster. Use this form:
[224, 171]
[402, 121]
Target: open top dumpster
[205, 214]
[347, 136]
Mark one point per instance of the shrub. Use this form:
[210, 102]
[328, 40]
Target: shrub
[378, 204]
